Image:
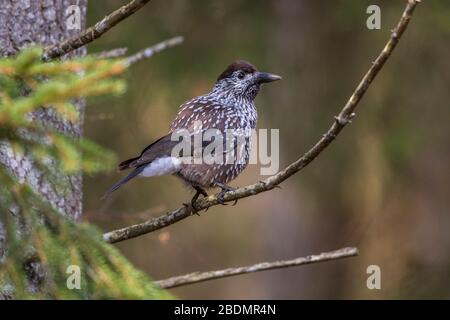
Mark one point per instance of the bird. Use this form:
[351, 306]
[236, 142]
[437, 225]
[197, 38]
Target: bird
[228, 106]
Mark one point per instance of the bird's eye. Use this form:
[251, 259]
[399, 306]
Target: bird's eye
[241, 75]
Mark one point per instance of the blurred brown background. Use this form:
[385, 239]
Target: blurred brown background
[383, 186]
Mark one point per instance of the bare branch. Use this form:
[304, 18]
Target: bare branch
[150, 51]
[340, 121]
[142, 54]
[114, 53]
[93, 32]
[196, 277]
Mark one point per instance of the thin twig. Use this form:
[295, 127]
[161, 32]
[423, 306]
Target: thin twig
[142, 54]
[114, 53]
[340, 121]
[196, 277]
[150, 51]
[93, 32]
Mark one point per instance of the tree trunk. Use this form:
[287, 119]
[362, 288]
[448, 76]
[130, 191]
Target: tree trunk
[43, 22]
[22, 23]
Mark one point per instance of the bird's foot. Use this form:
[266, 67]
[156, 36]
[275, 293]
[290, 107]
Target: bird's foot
[195, 210]
[220, 196]
[200, 191]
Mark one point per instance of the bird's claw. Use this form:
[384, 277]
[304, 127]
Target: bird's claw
[192, 205]
[199, 192]
[221, 195]
[195, 209]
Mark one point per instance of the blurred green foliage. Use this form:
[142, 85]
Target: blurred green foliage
[42, 243]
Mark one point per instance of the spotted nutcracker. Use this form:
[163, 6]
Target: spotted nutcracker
[228, 106]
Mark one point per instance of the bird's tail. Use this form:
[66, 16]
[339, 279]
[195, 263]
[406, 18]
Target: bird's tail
[124, 180]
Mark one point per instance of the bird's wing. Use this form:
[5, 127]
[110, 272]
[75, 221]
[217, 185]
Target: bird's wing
[160, 148]
[210, 114]
[202, 110]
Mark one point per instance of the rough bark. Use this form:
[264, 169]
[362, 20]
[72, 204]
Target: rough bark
[27, 22]
[23, 23]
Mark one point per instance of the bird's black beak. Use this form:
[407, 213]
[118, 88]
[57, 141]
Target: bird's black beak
[264, 77]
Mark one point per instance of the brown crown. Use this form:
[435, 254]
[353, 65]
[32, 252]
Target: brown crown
[243, 65]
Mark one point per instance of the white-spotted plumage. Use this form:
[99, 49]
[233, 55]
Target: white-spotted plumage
[228, 107]
[223, 109]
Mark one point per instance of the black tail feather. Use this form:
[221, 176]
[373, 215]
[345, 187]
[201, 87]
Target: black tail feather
[124, 180]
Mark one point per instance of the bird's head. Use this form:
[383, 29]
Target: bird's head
[242, 80]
